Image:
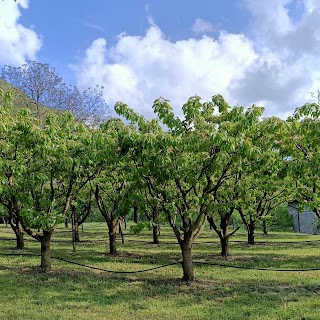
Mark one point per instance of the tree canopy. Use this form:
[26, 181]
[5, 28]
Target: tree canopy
[213, 161]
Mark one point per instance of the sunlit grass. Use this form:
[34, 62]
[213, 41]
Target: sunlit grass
[74, 292]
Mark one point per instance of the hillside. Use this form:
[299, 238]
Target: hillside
[20, 99]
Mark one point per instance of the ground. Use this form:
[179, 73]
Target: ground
[75, 292]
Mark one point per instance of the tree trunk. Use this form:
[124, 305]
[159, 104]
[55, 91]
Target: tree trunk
[224, 236]
[187, 265]
[18, 230]
[251, 228]
[156, 233]
[135, 214]
[156, 227]
[75, 225]
[112, 239]
[66, 223]
[264, 227]
[317, 212]
[125, 219]
[46, 251]
[76, 232]
[20, 240]
[224, 240]
[120, 230]
[222, 233]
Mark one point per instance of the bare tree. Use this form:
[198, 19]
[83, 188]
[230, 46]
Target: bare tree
[39, 87]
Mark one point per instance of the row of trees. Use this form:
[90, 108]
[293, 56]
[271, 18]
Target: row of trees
[212, 162]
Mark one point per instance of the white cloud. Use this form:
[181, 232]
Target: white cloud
[288, 68]
[270, 17]
[93, 26]
[312, 5]
[277, 64]
[17, 42]
[137, 70]
[201, 26]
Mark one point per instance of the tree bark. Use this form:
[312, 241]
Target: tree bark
[317, 212]
[75, 228]
[125, 219]
[66, 223]
[112, 239]
[156, 233]
[46, 251]
[187, 265]
[20, 241]
[251, 229]
[264, 227]
[76, 232]
[224, 240]
[135, 214]
[224, 236]
[18, 230]
[120, 220]
[156, 227]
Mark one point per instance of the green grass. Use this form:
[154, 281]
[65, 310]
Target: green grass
[74, 292]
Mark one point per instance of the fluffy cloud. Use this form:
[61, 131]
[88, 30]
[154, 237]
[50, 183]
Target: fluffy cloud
[17, 42]
[138, 70]
[312, 5]
[202, 26]
[276, 64]
[287, 68]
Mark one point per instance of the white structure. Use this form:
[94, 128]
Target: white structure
[305, 221]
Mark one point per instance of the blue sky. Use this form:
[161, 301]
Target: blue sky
[263, 52]
[68, 27]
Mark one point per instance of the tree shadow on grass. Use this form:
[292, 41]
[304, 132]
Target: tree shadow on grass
[235, 296]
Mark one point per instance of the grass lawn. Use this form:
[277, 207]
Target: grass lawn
[74, 292]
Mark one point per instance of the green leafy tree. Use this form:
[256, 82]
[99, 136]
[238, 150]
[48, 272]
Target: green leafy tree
[222, 209]
[236, 152]
[42, 167]
[11, 155]
[261, 196]
[81, 207]
[111, 185]
[185, 165]
[58, 167]
[302, 149]
[265, 184]
[150, 208]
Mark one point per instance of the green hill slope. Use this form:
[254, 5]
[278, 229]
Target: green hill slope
[20, 99]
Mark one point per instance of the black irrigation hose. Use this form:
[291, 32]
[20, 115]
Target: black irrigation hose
[111, 271]
[253, 268]
[276, 242]
[176, 243]
[91, 267]
[230, 241]
[166, 265]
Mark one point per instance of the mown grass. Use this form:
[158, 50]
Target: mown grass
[74, 292]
